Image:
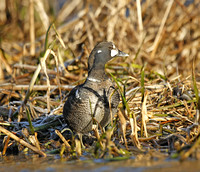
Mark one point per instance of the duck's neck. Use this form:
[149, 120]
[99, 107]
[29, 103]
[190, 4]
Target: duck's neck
[97, 73]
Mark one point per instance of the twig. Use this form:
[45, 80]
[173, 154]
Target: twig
[15, 87]
[8, 133]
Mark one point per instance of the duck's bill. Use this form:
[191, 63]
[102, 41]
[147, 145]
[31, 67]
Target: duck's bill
[122, 54]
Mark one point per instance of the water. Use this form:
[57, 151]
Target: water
[51, 164]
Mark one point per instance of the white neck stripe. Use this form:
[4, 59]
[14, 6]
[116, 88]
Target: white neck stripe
[93, 79]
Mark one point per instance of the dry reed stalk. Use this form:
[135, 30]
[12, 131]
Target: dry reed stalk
[33, 139]
[3, 16]
[183, 7]
[99, 9]
[15, 87]
[63, 139]
[160, 30]
[8, 133]
[32, 110]
[57, 110]
[196, 91]
[193, 149]
[141, 139]
[78, 147]
[139, 13]
[5, 145]
[97, 135]
[49, 71]
[5, 62]
[70, 24]
[67, 9]
[123, 126]
[96, 24]
[37, 141]
[56, 60]
[110, 108]
[1, 73]
[42, 13]
[111, 25]
[30, 88]
[43, 65]
[89, 34]
[188, 110]
[32, 27]
[61, 62]
[58, 79]
[59, 37]
[144, 115]
[134, 134]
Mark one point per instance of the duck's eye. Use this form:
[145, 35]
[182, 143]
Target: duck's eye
[99, 51]
[113, 52]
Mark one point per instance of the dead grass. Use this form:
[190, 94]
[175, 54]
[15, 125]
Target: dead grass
[158, 82]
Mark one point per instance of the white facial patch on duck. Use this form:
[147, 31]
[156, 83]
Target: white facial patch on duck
[114, 46]
[99, 51]
[113, 52]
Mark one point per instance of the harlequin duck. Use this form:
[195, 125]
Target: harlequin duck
[89, 101]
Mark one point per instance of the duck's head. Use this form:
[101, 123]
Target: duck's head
[103, 52]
